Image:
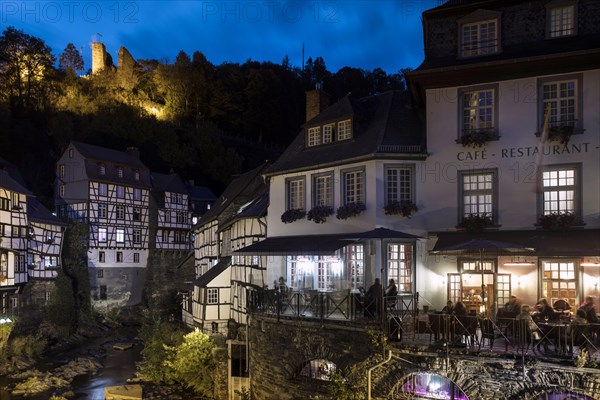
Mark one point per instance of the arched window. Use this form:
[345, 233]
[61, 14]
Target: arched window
[319, 369]
[424, 385]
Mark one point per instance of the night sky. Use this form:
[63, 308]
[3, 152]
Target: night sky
[357, 33]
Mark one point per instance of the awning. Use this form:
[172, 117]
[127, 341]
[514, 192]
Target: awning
[300, 245]
[213, 272]
[318, 244]
[566, 243]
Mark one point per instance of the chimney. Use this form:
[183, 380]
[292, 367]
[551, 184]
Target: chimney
[133, 152]
[316, 101]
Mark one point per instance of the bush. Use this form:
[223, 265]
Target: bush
[159, 338]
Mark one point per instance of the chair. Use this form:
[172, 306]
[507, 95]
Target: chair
[488, 332]
[466, 326]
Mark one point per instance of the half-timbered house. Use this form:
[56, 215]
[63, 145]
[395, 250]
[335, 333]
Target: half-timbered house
[110, 191]
[173, 217]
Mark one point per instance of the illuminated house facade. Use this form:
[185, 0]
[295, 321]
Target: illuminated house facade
[173, 214]
[224, 279]
[110, 191]
[30, 241]
[494, 73]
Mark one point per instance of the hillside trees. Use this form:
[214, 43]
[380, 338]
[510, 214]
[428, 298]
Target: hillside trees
[70, 59]
[26, 63]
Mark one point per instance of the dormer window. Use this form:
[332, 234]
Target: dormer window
[561, 18]
[120, 172]
[344, 130]
[71, 153]
[328, 133]
[102, 169]
[479, 34]
[314, 136]
[136, 175]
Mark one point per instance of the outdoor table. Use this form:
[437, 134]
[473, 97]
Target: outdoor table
[555, 333]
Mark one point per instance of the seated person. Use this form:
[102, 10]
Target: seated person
[576, 331]
[460, 309]
[449, 308]
[562, 306]
[512, 308]
[544, 311]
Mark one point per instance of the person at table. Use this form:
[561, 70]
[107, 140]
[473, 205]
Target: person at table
[373, 299]
[390, 294]
[512, 308]
[460, 309]
[449, 308]
[525, 321]
[544, 310]
[589, 307]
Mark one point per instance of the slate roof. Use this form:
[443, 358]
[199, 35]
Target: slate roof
[95, 154]
[201, 193]
[247, 188]
[37, 212]
[11, 179]
[382, 124]
[167, 183]
[204, 279]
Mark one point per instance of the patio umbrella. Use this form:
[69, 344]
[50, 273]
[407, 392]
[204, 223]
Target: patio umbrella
[481, 246]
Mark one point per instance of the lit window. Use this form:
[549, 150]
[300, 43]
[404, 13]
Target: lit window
[136, 175]
[61, 170]
[344, 130]
[61, 190]
[101, 257]
[102, 235]
[119, 256]
[120, 235]
[479, 38]
[478, 194]
[120, 192]
[314, 136]
[478, 109]
[212, 296]
[102, 169]
[559, 281]
[400, 266]
[323, 190]
[328, 133]
[560, 190]
[50, 262]
[356, 265]
[561, 21]
[120, 172]
[295, 194]
[354, 187]
[319, 369]
[137, 194]
[102, 210]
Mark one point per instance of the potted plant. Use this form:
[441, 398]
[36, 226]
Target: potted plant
[561, 133]
[404, 208]
[319, 214]
[476, 137]
[475, 222]
[556, 220]
[293, 215]
[350, 210]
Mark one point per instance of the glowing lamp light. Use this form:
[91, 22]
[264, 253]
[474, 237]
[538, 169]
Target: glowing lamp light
[518, 263]
[5, 320]
[590, 264]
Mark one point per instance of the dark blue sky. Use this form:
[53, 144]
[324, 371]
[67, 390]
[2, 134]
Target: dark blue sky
[357, 33]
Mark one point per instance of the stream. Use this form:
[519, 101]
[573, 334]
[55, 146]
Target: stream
[118, 366]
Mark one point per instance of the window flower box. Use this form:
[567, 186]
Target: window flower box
[557, 221]
[561, 133]
[350, 210]
[404, 208]
[477, 137]
[319, 214]
[475, 223]
[293, 215]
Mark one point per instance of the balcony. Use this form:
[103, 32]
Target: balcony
[401, 321]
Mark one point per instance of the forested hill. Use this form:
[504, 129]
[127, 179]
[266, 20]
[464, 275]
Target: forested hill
[207, 122]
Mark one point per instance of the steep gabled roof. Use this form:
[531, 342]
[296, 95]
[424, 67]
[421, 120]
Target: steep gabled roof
[245, 189]
[382, 124]
[200, 193]
[167, 183]
[8, 181]
[37, 212]
[105, 154]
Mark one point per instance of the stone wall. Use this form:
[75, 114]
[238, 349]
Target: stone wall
[168, 272]
[279, 350]
[100, 58]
